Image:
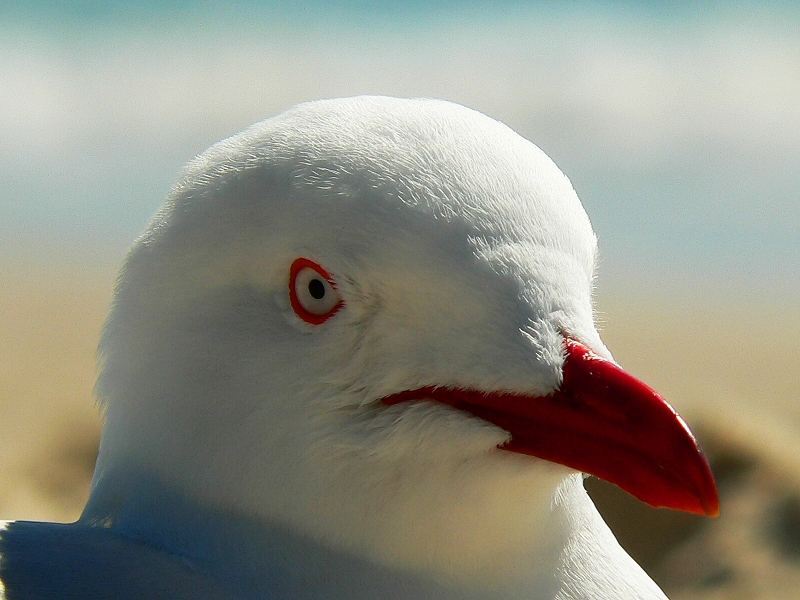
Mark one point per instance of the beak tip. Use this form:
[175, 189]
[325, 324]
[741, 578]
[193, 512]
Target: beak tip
[709, 496]
[705, 498]
[711, 506]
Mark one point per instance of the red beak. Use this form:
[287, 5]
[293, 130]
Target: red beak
[601, 421]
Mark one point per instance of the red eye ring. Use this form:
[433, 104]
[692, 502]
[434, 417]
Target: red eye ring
[299, 266]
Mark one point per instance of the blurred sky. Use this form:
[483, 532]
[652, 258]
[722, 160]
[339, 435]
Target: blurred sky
[679, 126]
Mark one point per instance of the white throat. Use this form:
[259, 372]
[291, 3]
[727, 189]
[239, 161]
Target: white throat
[501, 543]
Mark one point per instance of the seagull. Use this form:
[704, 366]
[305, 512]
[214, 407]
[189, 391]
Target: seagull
[354, 356]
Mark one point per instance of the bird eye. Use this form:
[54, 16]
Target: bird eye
[312, 292]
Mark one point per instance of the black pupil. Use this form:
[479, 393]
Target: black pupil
[316, 288]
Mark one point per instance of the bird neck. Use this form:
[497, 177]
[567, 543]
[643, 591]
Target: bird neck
[574, 556]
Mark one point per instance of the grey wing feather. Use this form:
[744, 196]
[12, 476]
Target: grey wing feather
[53, 561]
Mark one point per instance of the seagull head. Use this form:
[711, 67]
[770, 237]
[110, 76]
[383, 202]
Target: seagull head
[371, 319]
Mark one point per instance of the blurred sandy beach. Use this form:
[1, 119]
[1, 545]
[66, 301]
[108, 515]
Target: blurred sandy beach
[731, 371]
[49, 423]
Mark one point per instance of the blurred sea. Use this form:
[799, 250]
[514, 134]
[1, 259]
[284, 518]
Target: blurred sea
[679, 126]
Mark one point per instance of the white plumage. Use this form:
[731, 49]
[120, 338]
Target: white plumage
[245, 452]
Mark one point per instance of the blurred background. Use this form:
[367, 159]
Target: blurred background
[678, 125]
